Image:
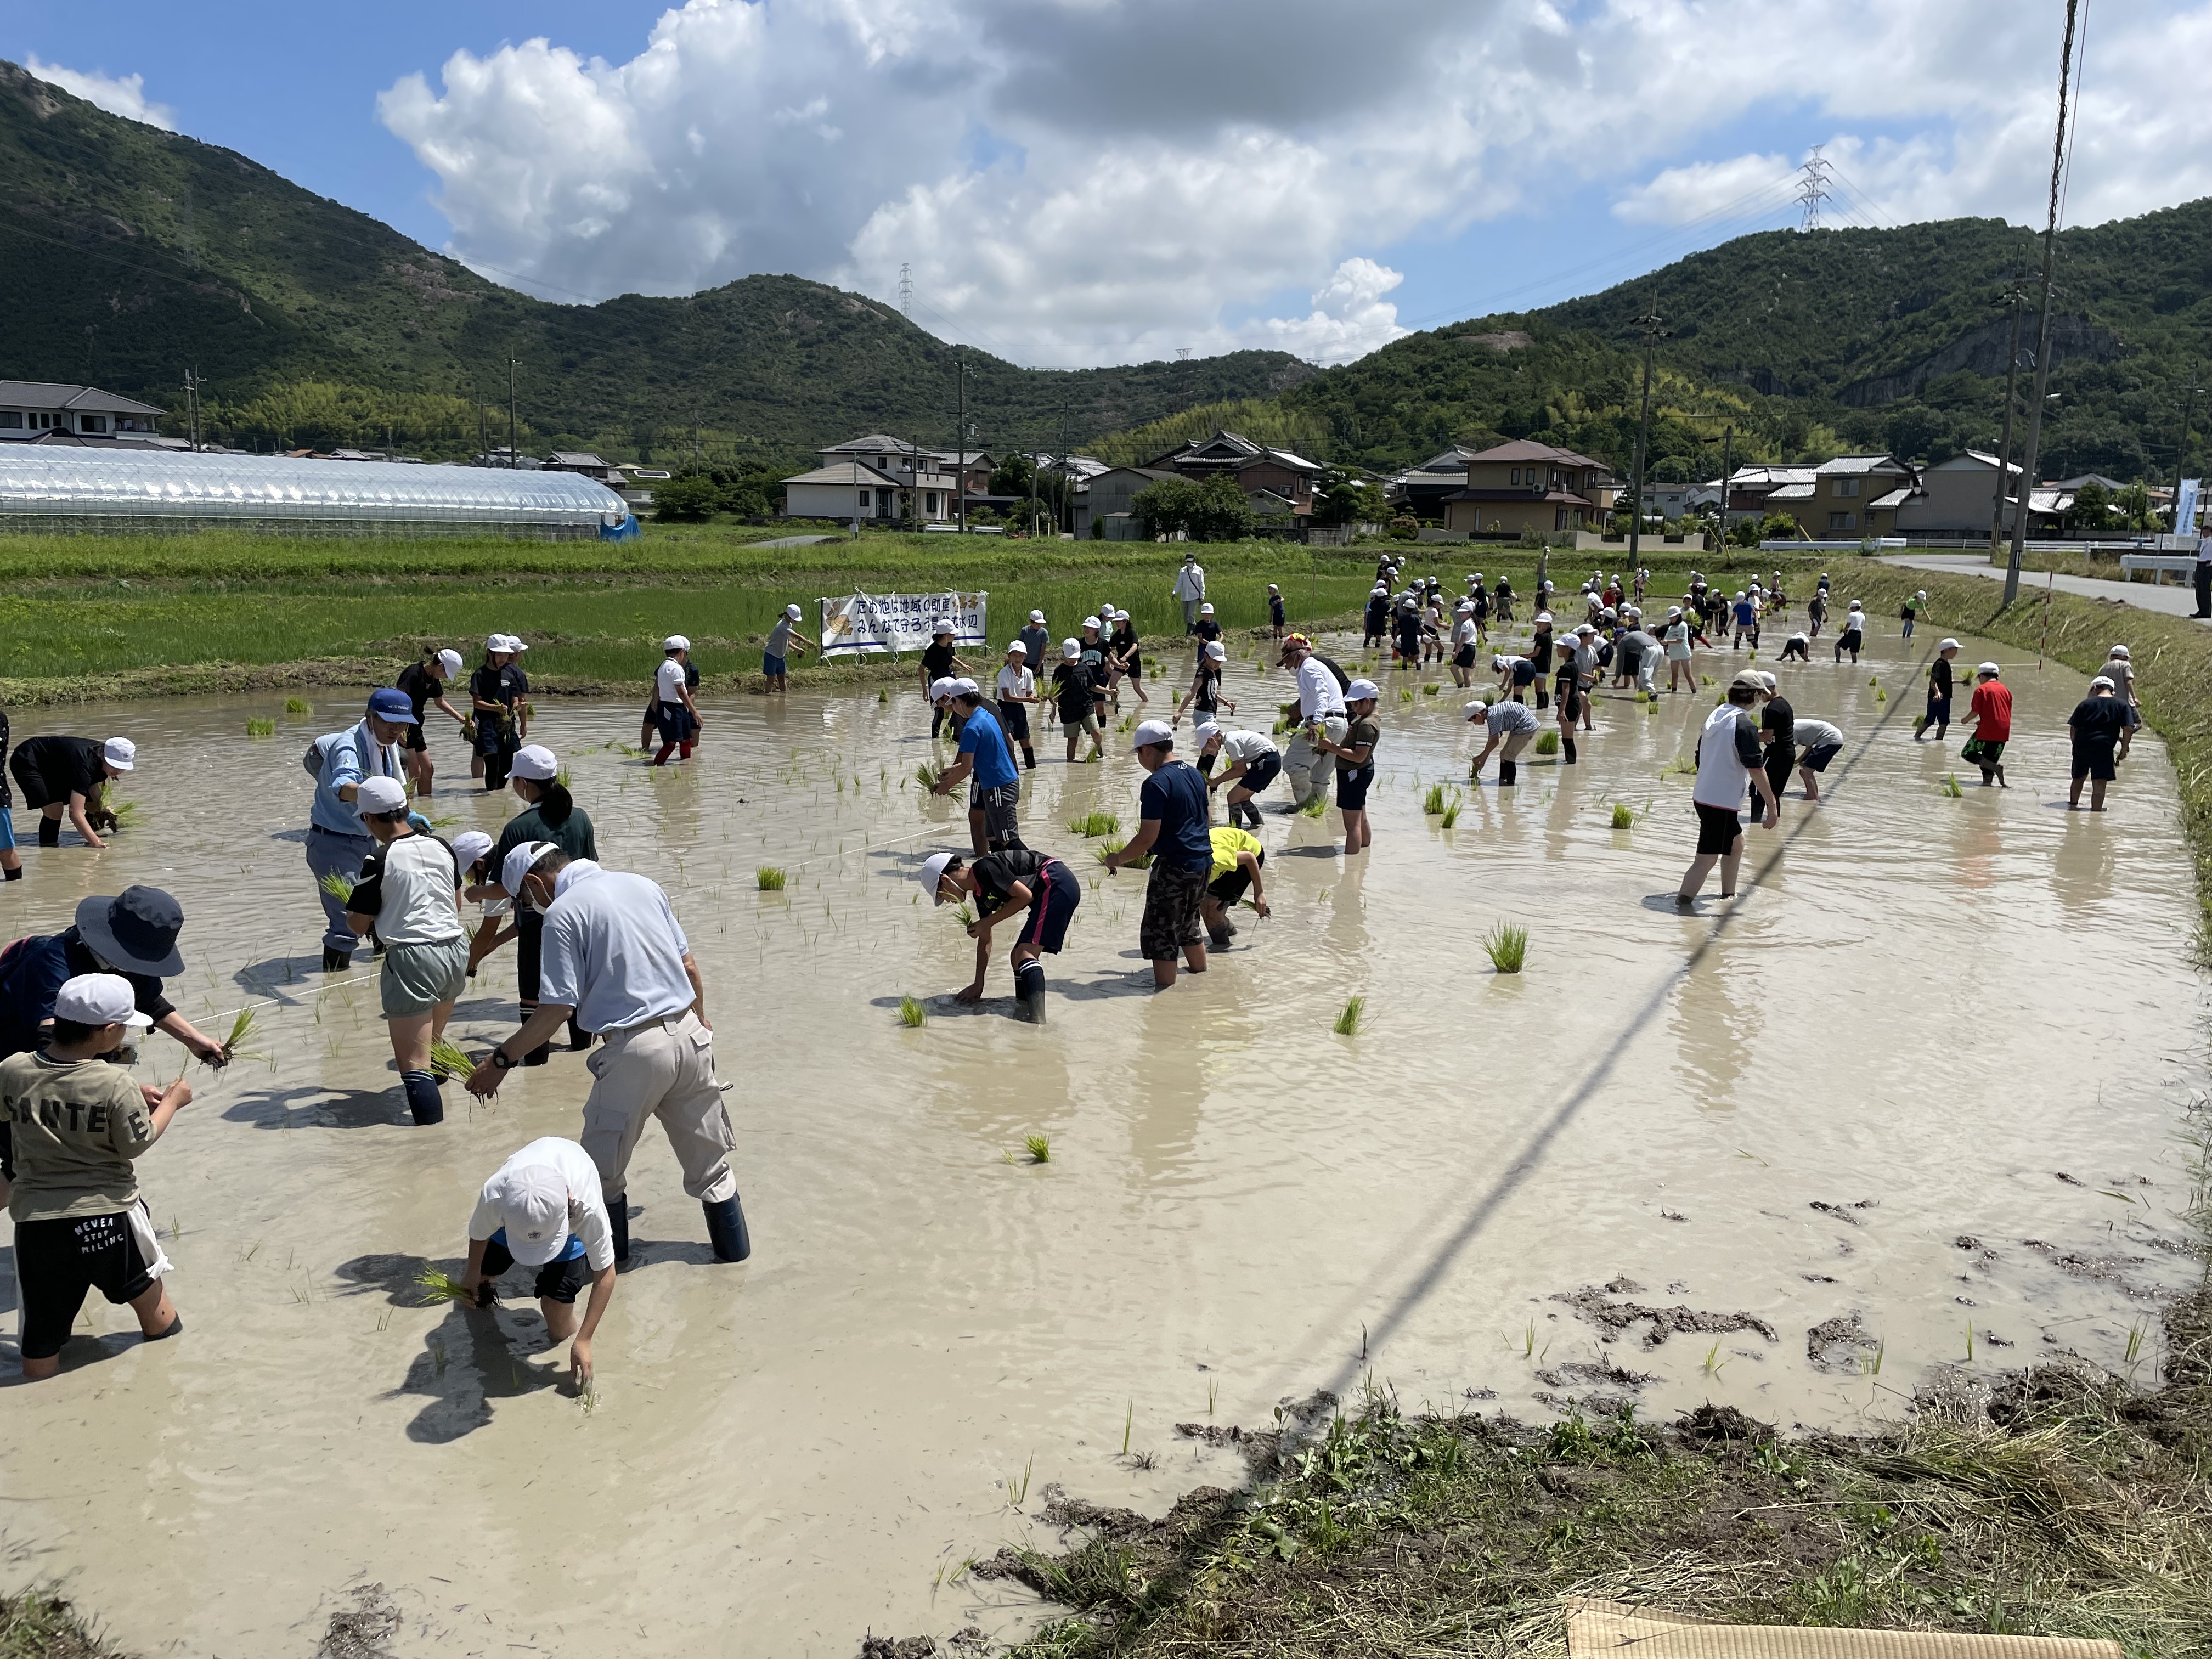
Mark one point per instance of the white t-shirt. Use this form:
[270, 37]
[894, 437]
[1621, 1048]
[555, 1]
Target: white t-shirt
[408, 885]
[668, 680]
[1678, 642]
[1318, 691]
[1724, 765]
[1018, 682]
[1854, 622]
[1245, 746]
[588, 1219]
[1814, 734]
[1465, 633]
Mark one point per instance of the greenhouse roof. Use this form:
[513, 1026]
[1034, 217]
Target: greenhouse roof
[36, 481]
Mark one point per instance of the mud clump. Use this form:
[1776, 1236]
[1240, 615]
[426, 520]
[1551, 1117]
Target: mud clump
[901, 1647]
[1836, 1345]
[1724, 1426]
[1615, 1317]
[362, 1630]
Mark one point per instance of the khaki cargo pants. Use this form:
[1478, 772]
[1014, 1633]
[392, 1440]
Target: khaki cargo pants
[665, 1070]
[1309, 768]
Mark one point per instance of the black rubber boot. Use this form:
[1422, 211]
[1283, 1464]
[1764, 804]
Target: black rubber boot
[1508, 774]
[579, 1038]
[50, 832]
[1568, 744]
[15, 874]
[335, 961]
[618, 1213]
[423, 1101]
[726, 1229]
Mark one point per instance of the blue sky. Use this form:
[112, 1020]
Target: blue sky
[1110, 180]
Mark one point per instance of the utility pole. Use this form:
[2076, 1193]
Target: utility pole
[1654, 331]
[483, 436]
[514, 454]
[1066, 478]
[1727, 471]
[2043, 321]
[960, 377]
[2004, 444]
[1033, 488]
[2181, 455]
[193, 384]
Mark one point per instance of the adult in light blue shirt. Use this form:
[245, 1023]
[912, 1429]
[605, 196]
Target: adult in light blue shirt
[986, 763]
[617, 959]
[337, 843]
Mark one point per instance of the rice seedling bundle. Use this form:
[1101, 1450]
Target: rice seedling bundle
[1347, 1022]
[1114, 847]
[1624, 816]
[1548, 742]
[1704, 679]
[965, 915]
[444, 820]
[911, 1013]
[298, 706]
[260, 728]
[1451, 813]
[242, 1033]
[1092, 824]
[1290, 710]
[883, 696]
[1433, 802]
[1405, 694]
[1507, 945]
[1038, 1147]
[126, 813]
[927, 774]
[337, 886]
[1128, 722]
[1430, 688]
[1951, 786]
[439, 1285]
[770, 878]
[1316, 804]
[449, 1061]
[1881, 696]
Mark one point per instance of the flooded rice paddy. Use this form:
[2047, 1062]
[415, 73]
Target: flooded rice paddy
[1918, 1094]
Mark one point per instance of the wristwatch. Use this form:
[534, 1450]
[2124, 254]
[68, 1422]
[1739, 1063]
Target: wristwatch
[498, 1057]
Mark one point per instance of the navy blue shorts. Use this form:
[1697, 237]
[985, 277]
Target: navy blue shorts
[557, 1281]
[772, 667]
[1046, 925]
[1260, 772]
[1351, 784]
[675, 722]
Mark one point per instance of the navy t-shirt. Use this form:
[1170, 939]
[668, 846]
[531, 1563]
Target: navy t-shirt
[2098, 721]
[1176, 795]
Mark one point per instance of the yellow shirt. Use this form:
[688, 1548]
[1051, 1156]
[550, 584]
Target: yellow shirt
[1227, 844]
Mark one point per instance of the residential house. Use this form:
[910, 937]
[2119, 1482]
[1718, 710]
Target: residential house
[1956, 497]
[898, 456]
[1522, 486]
[1422, 490]
[1751, 489]
[1107, 501]
[582, 461]
[1257, 468]
[857, 489]
[1849, 498]
[1673, 500]
[30, 408]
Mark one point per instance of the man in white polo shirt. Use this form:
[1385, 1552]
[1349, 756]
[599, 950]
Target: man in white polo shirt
[1321, 712]
[615, 956]
[543, 1209]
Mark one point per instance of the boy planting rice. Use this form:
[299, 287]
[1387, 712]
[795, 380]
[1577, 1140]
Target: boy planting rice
[543, 1209]
[986, 764]
[59, 774]
[424, 683]
[1355, 773]
[1730, 756]
[1173, 829]
[776, 656]
[1033, 890]
[1990, 716]
[1238, 856]
[1252, 762]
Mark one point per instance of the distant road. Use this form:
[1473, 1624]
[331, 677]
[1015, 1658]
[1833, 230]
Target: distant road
[794, 541]
[2144, 595]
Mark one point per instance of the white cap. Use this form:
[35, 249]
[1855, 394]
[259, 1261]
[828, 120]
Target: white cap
[450, 660]
[1988, 668]
[1203, 610]
[1922, 594]
[2101, 680]
[1071, 649]
[1475, 710]
[514, 645]
[532, 1204]
[1379, 588]
[1090, 621]
[1017, 650]
[1768, 681]
[941, 689]
[1207, 730]
[517, 864]
[932, 871]
[963, 687]
[1151, 732]
[1543, 616]
[943, 625]
[1037, 615]
[100, 1000]
[1359, 690]
[1853, 606]
[1272, 588]
[496, 643]
[794, 613]
[1216, 651]
[2119, 651]
[1948, 645]
[469, 846]
[381, 795]
[676, 642]
[1464, 608]
[120, 753]
[535, 761]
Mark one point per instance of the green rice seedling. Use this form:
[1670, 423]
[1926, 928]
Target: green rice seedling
[1642, 698]
[1433, 802]
[560, 775]
[1039, 1147]
[911, 1013]
[449, 1061]
[1289, 710]
[1714, 1364]
[339, 887]
[1547, 742]
[1873, 680]
[126, 814]
[1128, 722]
[1951, 786]
[1881, 697]
[588, 1397]
[241, 1034]
[768, 878]
[1128, 1423]
[298, 706]
[965, 915]
[1316, 805]
[1507, 947]
[1405, 694]
[1624, 816]
[1705, 679]
[1870, 1364]
[1450, 815]
[439, 1285]
[927, 774]
[1283, 726]
[1114, 847]
[883, 696]
[1681, 767]
[260, 726]
[1093, 825]
[1347, 1022]
[1430, 688]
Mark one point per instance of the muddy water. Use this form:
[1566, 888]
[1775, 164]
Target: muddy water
[1944, 1019]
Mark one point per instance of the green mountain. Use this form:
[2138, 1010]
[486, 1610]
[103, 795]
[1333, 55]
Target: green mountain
[140, 254]
[1812, 343]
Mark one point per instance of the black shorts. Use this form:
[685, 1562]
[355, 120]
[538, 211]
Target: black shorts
[557, 1281]
[58, 1261]
[1014, 720]
[2094, 761]
[1046, 925]
[1175, 898]
[1718, 830]
[1351, 786]
[1228, 889]
[39, 790]
[675, 723]
[1816, 758]
[1260, 772]
[1464, 657]
[411, 736]
[1000, 807]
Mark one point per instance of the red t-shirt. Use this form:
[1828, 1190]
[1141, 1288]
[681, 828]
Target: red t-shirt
[1992, 706]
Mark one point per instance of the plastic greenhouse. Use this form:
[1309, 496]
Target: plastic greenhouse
[48, 490]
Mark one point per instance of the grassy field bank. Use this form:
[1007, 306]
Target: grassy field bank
[120, 616]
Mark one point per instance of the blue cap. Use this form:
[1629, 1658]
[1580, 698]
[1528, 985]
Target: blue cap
[392, 704]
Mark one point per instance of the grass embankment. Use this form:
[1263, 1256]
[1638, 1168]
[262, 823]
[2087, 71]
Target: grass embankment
[2076, 1505]
[39, 1626]
[89, 617]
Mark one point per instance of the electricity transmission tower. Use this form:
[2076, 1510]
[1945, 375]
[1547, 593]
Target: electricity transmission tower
[906, 292]
[1812, 188]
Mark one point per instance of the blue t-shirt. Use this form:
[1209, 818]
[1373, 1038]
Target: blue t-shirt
[1745, 616]
[1176, 795]
[994, 762]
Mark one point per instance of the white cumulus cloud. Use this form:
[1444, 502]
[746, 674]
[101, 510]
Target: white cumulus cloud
[1077, 181]
[124, 96]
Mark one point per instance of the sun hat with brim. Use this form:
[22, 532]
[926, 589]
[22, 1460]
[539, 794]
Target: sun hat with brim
[519, 863]
[536, 763]
[1361, 690]
[496, 643]
[100, 1000]
[136, 930]
[1948, 645]
[794, 613]
[450, 660]
[1988, 668]
[931, 873]
[120, 753]
[1017, 650]
[1150, 733]
[2118, 651]
[941, 689]
[1207, 731]
[532, 1204]
[2101, 680]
